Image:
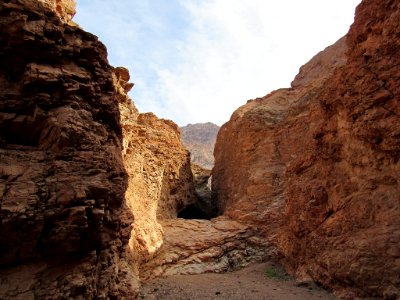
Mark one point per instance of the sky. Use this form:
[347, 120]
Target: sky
[196, 61]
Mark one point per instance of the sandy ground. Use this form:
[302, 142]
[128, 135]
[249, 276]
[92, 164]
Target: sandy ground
[250, 283]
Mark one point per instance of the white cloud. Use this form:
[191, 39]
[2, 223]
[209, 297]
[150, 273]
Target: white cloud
[198, 60]
[240, 50]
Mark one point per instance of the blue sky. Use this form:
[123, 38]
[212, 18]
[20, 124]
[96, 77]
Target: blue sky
[198, 60]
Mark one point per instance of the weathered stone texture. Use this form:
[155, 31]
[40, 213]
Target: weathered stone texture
[64, 224]
[201, 246]
[160, 181]
[316, 167]
[77, 162]
[65, 9]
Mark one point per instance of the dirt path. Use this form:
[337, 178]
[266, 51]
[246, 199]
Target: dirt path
[250, 283]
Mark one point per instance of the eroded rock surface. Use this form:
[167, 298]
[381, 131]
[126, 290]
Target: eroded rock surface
[64, 223]
[202, 246]
[78, 161]
[65, 9]
[316, 167]
[160, 182]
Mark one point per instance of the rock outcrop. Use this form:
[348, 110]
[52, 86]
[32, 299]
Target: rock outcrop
[64, 9]
[199, 139]
[64, 222]
[316, 167]
[79, 164]
[160, 182]
[201, 246]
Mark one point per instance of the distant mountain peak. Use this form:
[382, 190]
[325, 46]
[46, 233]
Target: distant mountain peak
[199, 139]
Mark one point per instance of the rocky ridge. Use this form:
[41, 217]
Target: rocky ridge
[200, 139]
[327, 201]
[89, 185]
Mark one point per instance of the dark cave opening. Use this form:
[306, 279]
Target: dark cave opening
[193, 212]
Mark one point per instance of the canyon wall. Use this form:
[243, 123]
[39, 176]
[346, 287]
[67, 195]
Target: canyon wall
[315, 167]
[64, 222]
[160, 182]
[79, 165]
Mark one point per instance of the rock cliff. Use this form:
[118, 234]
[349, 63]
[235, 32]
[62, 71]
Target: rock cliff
[199, 139]
[316, 167]
[160, 182]
[64, 222]
[79, 165]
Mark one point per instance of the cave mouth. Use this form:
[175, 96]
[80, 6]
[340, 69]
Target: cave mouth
[193, 212]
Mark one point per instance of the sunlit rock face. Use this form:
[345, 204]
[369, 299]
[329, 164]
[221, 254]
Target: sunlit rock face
[160, 182]
[316, 167]
[65, 9]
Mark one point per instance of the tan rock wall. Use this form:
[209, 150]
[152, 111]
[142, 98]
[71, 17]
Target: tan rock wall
[65, 9]
[160, 181]
[316, 167]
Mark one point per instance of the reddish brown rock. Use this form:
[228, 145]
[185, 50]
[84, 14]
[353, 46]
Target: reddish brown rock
[77, 162]
[64, 222]
[316, 167]
[160, 181]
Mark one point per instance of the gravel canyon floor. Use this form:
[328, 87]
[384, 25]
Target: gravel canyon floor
[198, 260]
[248, 283]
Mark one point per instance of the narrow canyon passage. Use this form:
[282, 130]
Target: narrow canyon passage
[97, 198]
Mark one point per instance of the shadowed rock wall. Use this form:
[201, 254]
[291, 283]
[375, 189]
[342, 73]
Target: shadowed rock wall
[64, 224]
[77, 162]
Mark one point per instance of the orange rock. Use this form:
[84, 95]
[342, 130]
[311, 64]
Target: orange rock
[160, 182]
[65, 9]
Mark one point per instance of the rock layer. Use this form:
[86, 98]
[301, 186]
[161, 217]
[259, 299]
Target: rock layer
[78, 161]
[202, 246]
[64, 223]
[316, 167]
